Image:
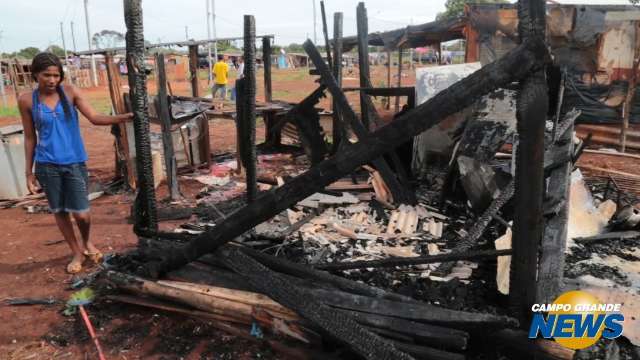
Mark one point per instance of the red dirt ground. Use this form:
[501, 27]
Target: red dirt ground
[31, 267]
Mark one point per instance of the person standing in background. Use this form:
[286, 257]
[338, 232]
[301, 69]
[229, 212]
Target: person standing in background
[220, 75]
[239, 75]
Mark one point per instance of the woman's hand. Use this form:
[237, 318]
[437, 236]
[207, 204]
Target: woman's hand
[32, 184]
[125, 117]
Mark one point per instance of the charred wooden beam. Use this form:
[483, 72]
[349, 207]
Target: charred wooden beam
[248, 120]
[514, 65]
[552, 247]
[266, 61]
[397, 108]
[433, 335]
[479, 226]
[193, 70]
[240, 93]
[363, 63]
[612, 236]
[341, 327]
[325, 31]
[424, 352]
[531, 112]
[338, 131]
[272, 137]
[162, 109]
[305, 272]
[400, 194]
[419, 260]
[413, 310]
[145, 203]
[124, 165]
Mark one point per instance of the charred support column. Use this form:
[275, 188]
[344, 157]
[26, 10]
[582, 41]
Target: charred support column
[266, 61]
[145, 204]
[193, 70]
[272, 136]
[388, 106]
[363, 63]
[325, 31]
[248, 119]
[162, 109]
[551, 263]
[397, 108]
[529, 180]
[338, 129]
[124, 165]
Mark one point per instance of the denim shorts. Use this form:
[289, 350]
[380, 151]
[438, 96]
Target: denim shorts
[66, 186]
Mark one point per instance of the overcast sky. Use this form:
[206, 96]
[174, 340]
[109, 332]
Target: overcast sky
[36, 23]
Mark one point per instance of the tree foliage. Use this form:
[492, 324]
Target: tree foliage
[106, 39]
[455, 8]
[28, 52]
[56, 50]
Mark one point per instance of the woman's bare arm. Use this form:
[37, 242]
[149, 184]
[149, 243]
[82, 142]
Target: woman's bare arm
[87, 110]
[30, 139]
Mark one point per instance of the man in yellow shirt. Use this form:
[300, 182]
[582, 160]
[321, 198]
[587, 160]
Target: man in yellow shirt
[220, 74]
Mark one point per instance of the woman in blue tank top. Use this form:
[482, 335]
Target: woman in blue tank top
[54, 147]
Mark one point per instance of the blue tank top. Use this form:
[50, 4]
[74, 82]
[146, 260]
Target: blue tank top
[59, 139]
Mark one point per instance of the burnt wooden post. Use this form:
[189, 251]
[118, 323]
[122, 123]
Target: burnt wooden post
[162, 109]
[327, 45]
[193, 70]
[124, 166]
[338, 132]
[266, 61]
[240, 92]
[514, 65]
[397, 108]
[363, 63]
[248, 119]
[272, 136]
[554, 240]
[145, 204]
[388, 106]
[204, 146]
[531, 115]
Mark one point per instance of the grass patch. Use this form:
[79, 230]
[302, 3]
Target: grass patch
[11, 111]
[103, 106]
[291, 75]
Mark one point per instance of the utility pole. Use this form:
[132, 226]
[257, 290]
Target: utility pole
[209, 38]
[2, 92]
[186, 32]
[315, 33]
[213, 24]
[64, 44]
[94, 74]
[73, 38]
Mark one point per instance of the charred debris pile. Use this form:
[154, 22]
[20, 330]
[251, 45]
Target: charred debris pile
[345, 251]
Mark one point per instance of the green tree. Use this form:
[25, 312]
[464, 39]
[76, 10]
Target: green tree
[106, 39]
[296, 48]
[28, 52]
[455, 8]
[56, 50]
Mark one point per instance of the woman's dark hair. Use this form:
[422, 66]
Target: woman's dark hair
[39, 64]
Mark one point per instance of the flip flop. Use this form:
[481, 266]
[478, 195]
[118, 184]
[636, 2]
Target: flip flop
[96, 257]
[74, 267]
